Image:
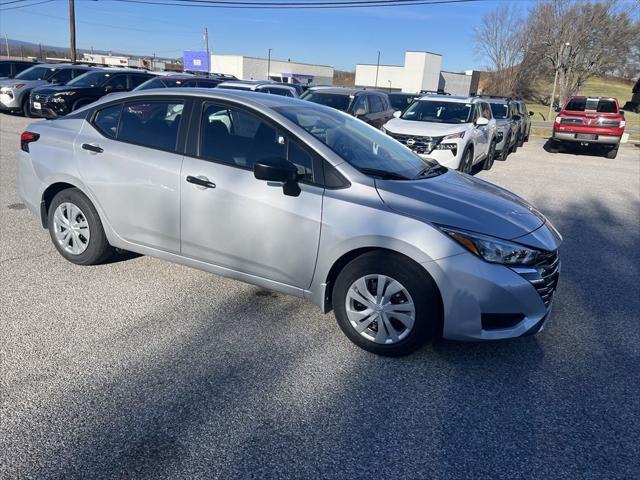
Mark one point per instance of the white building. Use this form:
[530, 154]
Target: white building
[253, 68]
[421, 71]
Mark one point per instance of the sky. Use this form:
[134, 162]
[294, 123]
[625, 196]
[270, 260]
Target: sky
[340, 38]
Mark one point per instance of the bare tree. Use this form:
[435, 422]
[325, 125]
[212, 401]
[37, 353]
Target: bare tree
[499, 40]
[577, 40]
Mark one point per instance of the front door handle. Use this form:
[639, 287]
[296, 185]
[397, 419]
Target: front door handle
[92, 147]
[201, 181]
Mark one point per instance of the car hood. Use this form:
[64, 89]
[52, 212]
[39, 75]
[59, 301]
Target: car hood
[462, 201]
[430, 129]
[50, 89]
[27, 83]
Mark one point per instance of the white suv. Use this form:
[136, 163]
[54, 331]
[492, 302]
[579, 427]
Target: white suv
[458, 132]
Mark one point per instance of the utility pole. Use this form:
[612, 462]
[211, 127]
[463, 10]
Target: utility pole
[269, 64]
[389, 85]
[72, 30]
[40, 48]
[555, 80]
[206, 43]
[6, 44]
[377, 68]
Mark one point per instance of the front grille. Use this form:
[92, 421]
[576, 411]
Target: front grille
[419, 144]
[544, 276]
[573, 121]
[39, 97]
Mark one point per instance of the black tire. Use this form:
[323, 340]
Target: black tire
[97, 247]
[466, 162]
[514, 147]
[612, 153]
[491, 156]
[422, 290]
[505, 150]
[26, 108]
[521, 140]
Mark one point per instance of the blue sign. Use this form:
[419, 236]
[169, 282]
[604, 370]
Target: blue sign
[195, 61]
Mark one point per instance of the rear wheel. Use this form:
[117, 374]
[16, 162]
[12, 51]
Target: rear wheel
[76, 229]
[386, 304]
[491, 155]
[521, 139]
[505, 149]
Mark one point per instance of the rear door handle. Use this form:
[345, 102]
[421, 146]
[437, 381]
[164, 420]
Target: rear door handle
[201, 181]
[92, 147]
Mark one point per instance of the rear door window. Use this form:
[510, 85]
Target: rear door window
[151, 123]
[135, 80]
[117, 82]
[375, 103]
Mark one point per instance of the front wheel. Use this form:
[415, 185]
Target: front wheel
[26, 108]
[466, 162]
[386, 304]
[76, 229]
[612, 153]
[491, 155]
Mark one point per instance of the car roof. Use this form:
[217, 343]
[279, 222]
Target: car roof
[592, 97]
[344, 90]
[449, 98]
[257, 99]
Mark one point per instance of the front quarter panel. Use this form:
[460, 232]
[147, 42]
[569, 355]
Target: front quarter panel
[356, 218]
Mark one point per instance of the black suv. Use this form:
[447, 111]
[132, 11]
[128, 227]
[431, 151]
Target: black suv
[525, 121]
[370, 106]
[400, 101]
[10, 68]
[55, 101]
[175, 81]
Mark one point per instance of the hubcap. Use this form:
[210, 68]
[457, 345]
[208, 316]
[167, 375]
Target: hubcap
[380, 309]
[71, 228]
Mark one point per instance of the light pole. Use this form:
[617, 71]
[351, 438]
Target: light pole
[389, 85]
[269, 64]
[555, 80]
[72, 30]
[377, 68]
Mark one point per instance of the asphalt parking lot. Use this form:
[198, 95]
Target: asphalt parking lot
[144, 369]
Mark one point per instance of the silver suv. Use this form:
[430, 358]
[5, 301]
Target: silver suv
[298, 198]
[457, 132]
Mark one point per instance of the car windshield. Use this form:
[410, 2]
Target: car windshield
[337, 101]
[438, 112]
[366, 148]
[36, 73]
[597, 104]
[90, 79]
[400, 102]
[500, 110]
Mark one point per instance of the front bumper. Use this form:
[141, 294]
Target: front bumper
[591, 138]
[475, 293]
[44, 107]
[449, 158]
[9, 102]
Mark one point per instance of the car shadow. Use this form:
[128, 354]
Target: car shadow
[187, 391]
[574, 149]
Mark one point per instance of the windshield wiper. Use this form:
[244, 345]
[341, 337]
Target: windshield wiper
[431, 171]
[383, 174]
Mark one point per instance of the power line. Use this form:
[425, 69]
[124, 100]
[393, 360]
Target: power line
[24, 6]
[309, 5]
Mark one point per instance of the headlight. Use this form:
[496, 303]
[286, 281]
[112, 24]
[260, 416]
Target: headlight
[66, 94]
[17, 85]
[494, 250]
[454, 136]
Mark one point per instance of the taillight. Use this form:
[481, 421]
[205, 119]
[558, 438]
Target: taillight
[26, 138]
[558, 119]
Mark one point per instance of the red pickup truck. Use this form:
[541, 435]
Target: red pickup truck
[590, 122]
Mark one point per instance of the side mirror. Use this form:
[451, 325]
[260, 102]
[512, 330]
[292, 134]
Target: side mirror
[359, 112]
[276, 169]
[108, 88]
[481, 121]
[397, 114]
[531, 114]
